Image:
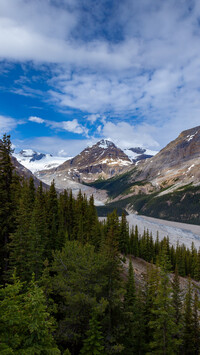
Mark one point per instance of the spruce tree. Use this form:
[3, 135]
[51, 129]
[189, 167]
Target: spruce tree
[7, 204]
[188, 321]
[25, 324]
[130, 313]
[123, 235]
[93, 344]
[163, 324]
[52, 220]
[196, 326]
[177, 311]
[19, 245]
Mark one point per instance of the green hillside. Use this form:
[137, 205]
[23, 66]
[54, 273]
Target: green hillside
[117, 185]
[182, 205]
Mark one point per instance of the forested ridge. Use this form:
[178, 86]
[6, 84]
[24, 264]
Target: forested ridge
[62, 290]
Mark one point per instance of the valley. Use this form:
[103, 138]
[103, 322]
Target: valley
[177, 232]
[164, 185]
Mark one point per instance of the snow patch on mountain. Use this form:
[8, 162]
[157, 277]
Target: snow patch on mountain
[138, 153]
[105, 143]
[35, 161]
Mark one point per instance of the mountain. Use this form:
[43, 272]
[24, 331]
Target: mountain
[164, 186]
[35, 161]
[100, 161]
[22, 171]
[175, 165]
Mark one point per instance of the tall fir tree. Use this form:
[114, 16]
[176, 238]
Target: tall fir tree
[188, 322]
[123, 235]
[93, 344]
[7, 204]
[177, 300]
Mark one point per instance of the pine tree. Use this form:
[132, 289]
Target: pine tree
[52, 220]
[130, 296]
[163, 324]
[93, 344]
[196, 327]
[177, 312]
[21, 240]
[188, 322]
[123, 235]
[150, 294]
[7, 205]
[25, 324]
[130, 313]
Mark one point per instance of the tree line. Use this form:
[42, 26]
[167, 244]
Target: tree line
[63, 289]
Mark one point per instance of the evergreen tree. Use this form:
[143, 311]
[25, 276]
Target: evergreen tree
[130, 313]
[196, 328]
[7, 204]
[177, 312]
[163, 324]
[52, 220]
[188, 322]
[123, 235]
[25, 324]
[93, 344]
[150, 294]
[19, 246]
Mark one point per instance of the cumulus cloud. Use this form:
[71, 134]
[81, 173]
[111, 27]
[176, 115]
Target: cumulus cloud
[7, 124]
[92, 118]
[70, 126]
[36, 119]
[126, 135]
[142, 66]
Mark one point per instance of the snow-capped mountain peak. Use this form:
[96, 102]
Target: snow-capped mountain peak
[35, 161]
[105, 143]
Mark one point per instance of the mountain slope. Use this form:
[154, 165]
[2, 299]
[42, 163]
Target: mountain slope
[25, 173]
[101, 161]
[177, 164]
[165, 186]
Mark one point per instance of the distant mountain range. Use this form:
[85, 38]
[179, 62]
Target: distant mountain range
[35, 161]
[164, 185]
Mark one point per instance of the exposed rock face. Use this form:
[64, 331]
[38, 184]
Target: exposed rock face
[25, 173]
[102, 160]
[176, 164]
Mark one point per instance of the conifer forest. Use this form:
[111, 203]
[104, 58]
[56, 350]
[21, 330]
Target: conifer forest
[64, 285]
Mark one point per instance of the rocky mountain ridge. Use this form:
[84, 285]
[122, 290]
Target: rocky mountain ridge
[100, 161]
[175, 165]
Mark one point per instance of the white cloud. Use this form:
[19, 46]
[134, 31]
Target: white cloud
[74, 126]
[126, 136]
[7, 124]
[149, 72]
[69, 126]
[36, 119]
[93, 117]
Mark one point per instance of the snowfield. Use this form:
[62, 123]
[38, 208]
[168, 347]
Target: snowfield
[177, 232]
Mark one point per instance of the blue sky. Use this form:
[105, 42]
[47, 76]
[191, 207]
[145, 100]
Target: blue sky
[75, 71]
